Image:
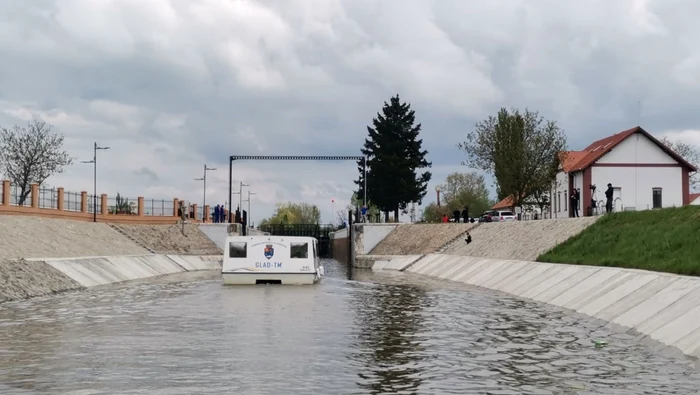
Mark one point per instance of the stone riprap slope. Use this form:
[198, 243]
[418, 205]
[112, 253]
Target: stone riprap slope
[35, 237]
[522, 240]
[417, 239]
[168, 239]
[22, 279]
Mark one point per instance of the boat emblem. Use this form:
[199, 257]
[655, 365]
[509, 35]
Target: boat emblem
[269, 251]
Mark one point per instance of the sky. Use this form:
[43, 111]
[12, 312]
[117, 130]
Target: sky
[172, 85]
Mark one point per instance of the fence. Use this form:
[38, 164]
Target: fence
[72, 201]
[158, 208]
[16, 197]
[79, 205]
[122, 205]
[94, 202]
[48, 198]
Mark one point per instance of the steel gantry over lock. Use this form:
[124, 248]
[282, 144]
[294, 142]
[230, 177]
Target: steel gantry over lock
[293, 157]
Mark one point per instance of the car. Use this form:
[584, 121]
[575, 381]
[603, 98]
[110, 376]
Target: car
[503, 215]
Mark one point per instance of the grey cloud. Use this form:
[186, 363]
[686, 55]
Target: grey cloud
[307, 77]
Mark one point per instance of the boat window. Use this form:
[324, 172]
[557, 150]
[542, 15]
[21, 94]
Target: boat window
[237, 250]
[298, 250]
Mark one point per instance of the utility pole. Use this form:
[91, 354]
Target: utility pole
[248, 200]
[240, 197]
[204, 178]
[94, 181]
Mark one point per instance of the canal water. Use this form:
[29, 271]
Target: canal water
[356, 333]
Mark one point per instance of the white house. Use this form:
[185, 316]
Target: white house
[645, 174]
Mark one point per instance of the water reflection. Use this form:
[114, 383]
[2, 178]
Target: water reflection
[378, 333]
[388, 345]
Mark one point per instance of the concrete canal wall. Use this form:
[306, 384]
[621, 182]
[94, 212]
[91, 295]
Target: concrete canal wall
[42, 256]
[664, 307]
[20, 279]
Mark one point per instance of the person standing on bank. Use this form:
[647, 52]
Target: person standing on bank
[465, 214]
[609, 198]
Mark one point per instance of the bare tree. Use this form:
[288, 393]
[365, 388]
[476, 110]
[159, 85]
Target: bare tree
[521, 150]
[31, 155]
[689, 153]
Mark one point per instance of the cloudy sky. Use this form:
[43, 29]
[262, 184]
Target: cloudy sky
[171, 85]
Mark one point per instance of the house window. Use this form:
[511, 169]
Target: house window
[559, 201]
[566, 198]
[656, 197]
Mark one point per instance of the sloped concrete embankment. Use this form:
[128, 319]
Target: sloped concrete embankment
[36, 277]
[524, 240]
[30, 244]
[169, 239]
[664, 307]
[413, 240]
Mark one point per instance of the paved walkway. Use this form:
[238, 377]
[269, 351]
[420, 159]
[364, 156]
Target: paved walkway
[522, 240]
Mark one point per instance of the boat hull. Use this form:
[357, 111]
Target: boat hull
[255, 278]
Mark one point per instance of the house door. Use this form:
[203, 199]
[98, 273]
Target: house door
[617, 199]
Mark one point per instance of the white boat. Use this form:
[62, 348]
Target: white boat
[271, 260]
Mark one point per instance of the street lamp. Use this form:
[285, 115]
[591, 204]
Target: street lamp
[240, 197]
[437, 190]
[94, 182]
[204, 178]
[249, 193]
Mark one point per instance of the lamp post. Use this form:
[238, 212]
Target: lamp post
[204, 198]
[94, 181]
[437, 190]
[332, 210]
[249, 194]
[240, 197]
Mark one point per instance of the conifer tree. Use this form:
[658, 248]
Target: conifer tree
[395, 156]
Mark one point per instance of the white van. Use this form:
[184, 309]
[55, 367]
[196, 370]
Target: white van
[271, 260]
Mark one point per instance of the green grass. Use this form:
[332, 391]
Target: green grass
[665, 240]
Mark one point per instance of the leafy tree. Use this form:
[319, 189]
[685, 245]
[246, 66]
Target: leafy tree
[521, 150]
[689, 153]
[395, 155]
[434, 213]
[122, 206]
[294, 213]
[31, 155]
[465, 189]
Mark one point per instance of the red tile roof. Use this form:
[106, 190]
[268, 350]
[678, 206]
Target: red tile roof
[505, 203]
[598, 149]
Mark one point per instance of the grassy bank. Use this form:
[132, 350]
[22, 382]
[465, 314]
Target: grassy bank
[665, 240]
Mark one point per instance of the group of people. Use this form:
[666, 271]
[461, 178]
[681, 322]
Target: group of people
[576, 198]
[456, 216]
[218, 215]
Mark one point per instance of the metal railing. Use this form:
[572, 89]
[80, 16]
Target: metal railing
[72, 201]
[91, 204]
[158, 208]
[48, 198]
[15, 197]
[123, 206]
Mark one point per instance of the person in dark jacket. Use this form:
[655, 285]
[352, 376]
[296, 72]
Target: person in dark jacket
[469, 238]
[609, 199]
[455, 215]
[465, 214]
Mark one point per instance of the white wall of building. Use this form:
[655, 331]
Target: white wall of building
[696, 202]
[636, 148]
[636, 185]
[560, 196]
